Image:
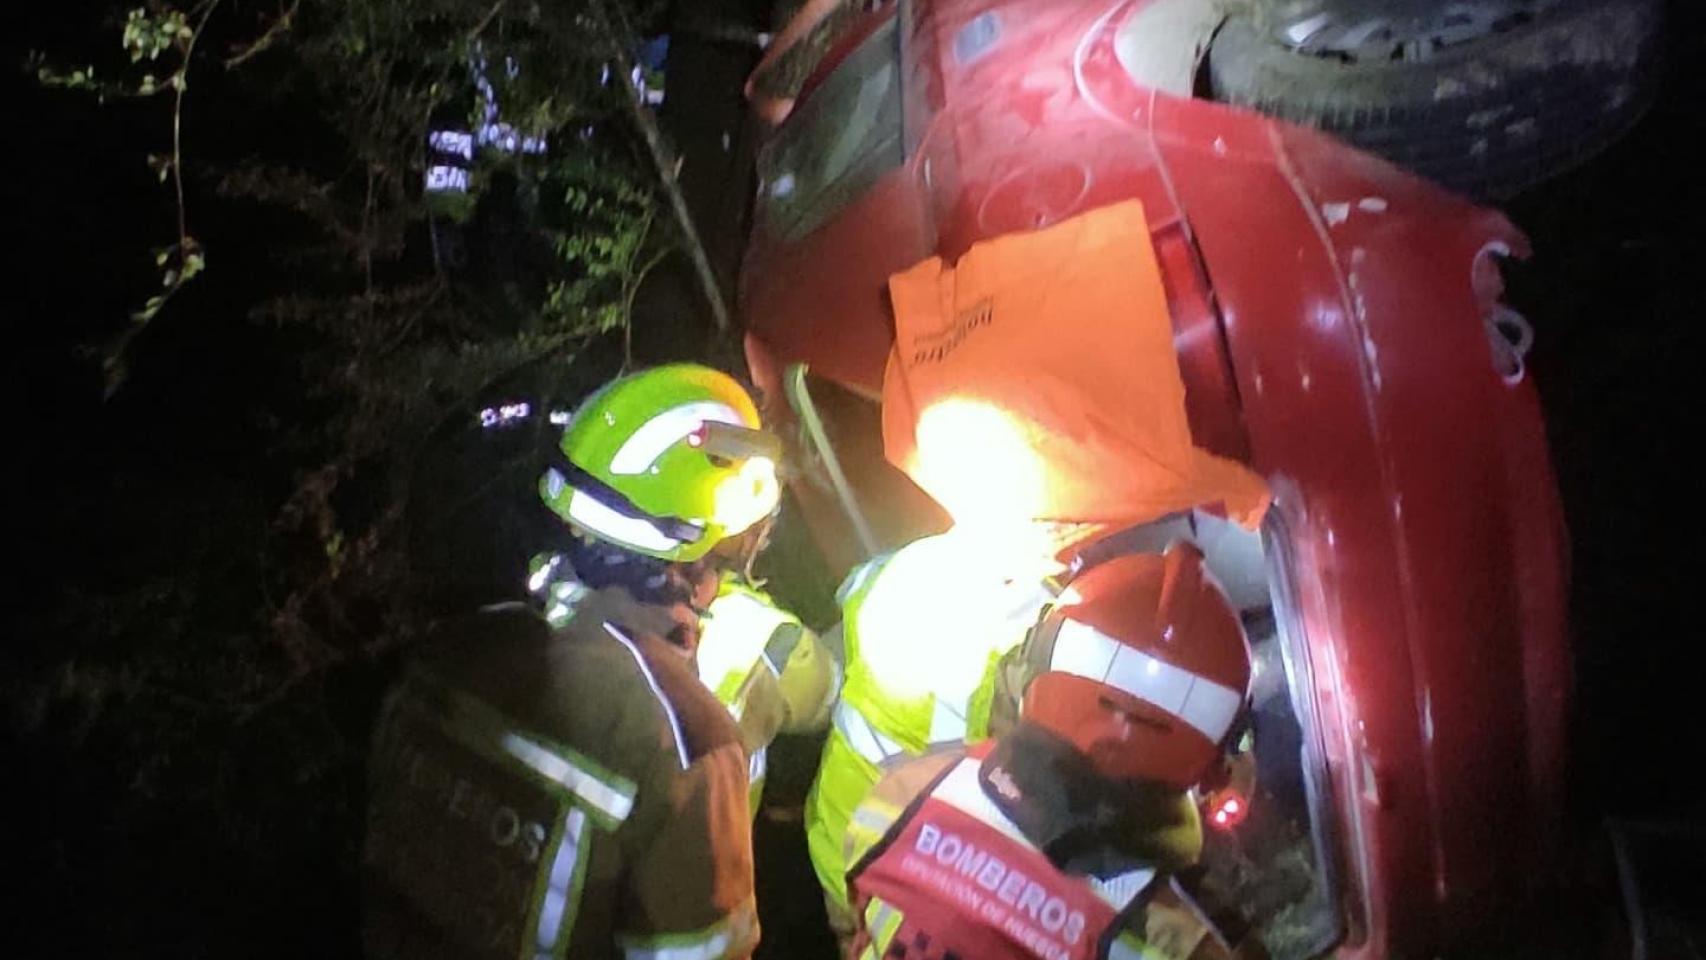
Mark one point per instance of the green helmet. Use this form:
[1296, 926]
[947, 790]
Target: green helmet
[666, 463]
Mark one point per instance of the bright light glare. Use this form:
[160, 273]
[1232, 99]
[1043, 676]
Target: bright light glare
[940, 609]
[748, 496]
[977, 461]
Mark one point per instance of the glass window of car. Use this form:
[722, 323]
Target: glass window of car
[839, 142]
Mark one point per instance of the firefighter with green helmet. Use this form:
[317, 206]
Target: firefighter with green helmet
[575, 788]
[771, 671]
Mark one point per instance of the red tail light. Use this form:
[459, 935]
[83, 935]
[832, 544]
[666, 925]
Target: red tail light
[1226, 809]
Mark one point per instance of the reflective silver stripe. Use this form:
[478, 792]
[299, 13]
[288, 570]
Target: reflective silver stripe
[645, 445]
[735, 932]
[482, 728]
[607, 798]
[1119, 891]
[784, 640]
[600, 519]
[733, 635]
[947, 725]
[713, 949]
[857, 578]
[961, 789]
[878, 823]
[755, 765]
[1126, 947]
[1084, 651]
[862, 735]
[881, 924]
[561, 893]
[542, 576]
[651, 681]
[565, 596]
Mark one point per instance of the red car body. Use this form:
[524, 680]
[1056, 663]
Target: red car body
[1333, 326]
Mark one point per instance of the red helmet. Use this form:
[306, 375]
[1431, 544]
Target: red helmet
[1142, 665]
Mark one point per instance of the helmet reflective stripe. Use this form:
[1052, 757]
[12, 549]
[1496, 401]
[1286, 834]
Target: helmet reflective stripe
[561, 895]
[645, 445]
[1084, 651]
[605, 522]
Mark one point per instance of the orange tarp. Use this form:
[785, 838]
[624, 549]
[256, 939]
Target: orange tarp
[1036, 379]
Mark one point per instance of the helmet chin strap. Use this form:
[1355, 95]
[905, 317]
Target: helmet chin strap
[755, 541]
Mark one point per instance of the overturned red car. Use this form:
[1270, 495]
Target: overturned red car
[1338, 328]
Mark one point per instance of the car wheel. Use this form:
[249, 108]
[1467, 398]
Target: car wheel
[1487, 96]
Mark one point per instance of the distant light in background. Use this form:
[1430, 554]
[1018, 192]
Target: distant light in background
[444, 179]
[506, 138]
[456, 142]
[504, 414]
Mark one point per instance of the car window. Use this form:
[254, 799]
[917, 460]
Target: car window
[844, 137]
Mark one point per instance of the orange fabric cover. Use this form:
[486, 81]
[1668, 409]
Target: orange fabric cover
[1036, 380]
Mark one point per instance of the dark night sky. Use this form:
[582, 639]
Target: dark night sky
[1614, 293]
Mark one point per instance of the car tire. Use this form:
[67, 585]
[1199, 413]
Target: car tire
[1488, 116]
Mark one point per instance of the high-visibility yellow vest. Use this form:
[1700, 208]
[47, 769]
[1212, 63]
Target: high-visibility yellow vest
[924, 630]
[766, 666]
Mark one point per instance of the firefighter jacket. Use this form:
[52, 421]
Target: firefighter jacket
[570, 792]
[772, 672]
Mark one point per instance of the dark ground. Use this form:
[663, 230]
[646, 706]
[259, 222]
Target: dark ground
[1614, 293]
